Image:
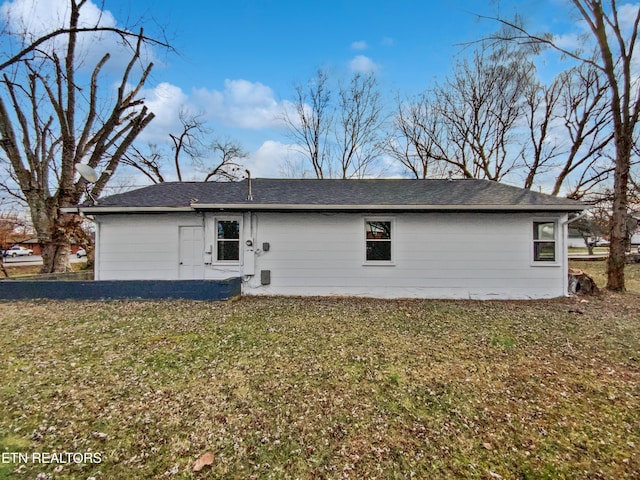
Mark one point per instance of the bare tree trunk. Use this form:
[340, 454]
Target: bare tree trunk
[616, 35]
[56, 254]
[58, 122]
[618, 234]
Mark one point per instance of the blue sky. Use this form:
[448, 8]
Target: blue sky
[281, 42]
[238, 61]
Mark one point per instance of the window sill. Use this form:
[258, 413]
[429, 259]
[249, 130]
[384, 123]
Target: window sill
[546, 264]
[379, 264]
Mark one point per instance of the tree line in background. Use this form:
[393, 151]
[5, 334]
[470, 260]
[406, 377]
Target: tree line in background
[491, 118]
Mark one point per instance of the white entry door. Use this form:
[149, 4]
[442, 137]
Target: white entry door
[191, 253]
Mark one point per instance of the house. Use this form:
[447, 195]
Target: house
[635, 234]
[386, 238]
[575, 239]
[37, 246]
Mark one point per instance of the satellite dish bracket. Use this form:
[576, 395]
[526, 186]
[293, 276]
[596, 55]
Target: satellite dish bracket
[90, 175]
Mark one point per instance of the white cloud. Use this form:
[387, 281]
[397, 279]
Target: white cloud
[361, 45]
[34, 18]
[363, 64]
[242, 104]
[569, 41]
[270, 159]
[576, 41]
[165, 101]
[627, 14]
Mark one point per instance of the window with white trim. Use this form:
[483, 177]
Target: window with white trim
[544, 241]
[378, 238]
[227, 240]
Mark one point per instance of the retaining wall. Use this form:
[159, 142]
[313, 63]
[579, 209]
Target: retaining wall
[120, 289]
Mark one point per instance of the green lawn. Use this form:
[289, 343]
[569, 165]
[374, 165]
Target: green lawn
[323, 388]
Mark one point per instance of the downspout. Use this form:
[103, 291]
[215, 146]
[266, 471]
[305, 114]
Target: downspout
[249, 247]
[577, 217]
[97, 250]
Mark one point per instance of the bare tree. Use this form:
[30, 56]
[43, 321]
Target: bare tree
[310, 126]
[569, 131]
[583, 109]
[55, 122]
[339, 137]
[217, 160]
[416, 139]
[189, 141]
[359, 125]
[148, 163]
[33, 46]
[227, 166]
[480, 107]
[540, 151]
[615, 41]
[469, 121]
[624, 93]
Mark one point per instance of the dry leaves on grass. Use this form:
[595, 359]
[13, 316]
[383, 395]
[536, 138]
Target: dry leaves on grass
[324, 388]
[203, 461]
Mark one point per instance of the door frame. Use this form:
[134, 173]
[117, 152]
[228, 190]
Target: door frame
[199, 267]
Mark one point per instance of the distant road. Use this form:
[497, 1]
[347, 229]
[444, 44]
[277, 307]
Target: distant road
[35, 260]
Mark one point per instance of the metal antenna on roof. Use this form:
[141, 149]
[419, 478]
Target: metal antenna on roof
[249, 194]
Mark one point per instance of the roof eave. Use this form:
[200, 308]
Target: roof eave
[318, 207]
[112, 209]
[97, 209]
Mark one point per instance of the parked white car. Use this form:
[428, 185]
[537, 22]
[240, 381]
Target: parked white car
[17, 251]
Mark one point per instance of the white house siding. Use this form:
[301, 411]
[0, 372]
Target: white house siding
[436, 255]
[140, 247]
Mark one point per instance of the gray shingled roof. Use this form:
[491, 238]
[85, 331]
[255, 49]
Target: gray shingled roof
[315, 194]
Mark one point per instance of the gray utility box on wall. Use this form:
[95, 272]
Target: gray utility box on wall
[265, 277]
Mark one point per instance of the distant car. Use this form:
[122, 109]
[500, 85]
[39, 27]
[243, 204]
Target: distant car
[602, 243]
[81, 253]
[17, 251]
